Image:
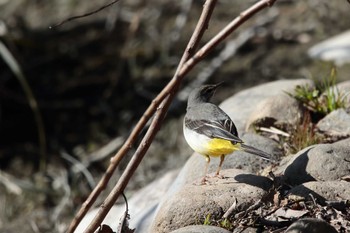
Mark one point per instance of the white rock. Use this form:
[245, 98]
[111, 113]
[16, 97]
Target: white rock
[335, 49]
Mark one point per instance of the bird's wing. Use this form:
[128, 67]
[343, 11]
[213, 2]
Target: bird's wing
[223, 129]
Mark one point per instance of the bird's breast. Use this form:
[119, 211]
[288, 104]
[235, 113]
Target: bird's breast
[209, 146]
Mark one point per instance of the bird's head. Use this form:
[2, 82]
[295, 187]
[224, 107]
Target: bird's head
[203, 93]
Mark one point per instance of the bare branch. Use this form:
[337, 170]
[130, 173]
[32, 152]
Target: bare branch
[224, 33]
[228, 51]
[84, 15]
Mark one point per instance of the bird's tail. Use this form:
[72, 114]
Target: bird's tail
[254, 151]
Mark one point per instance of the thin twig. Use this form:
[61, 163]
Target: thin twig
[84, 15]
[230, 210]
[224, 33]
[230, 49]
[274, 130]
[254, 206]
[124, 221]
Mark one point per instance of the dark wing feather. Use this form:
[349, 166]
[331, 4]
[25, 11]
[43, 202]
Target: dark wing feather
[224, 129]
[230, 126]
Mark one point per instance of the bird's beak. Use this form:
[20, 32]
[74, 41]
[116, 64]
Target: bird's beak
[214, 87]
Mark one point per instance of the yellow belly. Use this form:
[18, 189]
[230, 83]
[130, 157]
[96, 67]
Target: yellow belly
[208, 146]
[218, 147]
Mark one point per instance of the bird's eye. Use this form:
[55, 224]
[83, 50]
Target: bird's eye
[208, 90]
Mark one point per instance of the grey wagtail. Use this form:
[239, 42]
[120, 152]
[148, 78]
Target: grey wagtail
[210, 131]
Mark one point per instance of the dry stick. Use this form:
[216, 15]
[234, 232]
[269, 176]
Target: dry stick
[229, 51]
[191, 47]
[159, 116]
[84, 15]
[244, 16]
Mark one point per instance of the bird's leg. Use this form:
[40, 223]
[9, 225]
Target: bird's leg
[207, 158]
[222, 158]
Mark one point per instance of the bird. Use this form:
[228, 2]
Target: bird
[209, 131]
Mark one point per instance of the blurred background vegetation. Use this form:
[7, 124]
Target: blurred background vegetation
[93, 78]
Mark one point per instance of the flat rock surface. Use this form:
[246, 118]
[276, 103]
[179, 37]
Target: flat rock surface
[281, 111]
[192, 204]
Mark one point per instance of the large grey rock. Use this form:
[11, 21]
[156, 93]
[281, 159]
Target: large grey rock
[201, 229]
[281, 111]
[322, 162]
[240, 106]
[322, 191]
[192, 203]
[310, 225]
[335, 49]
[335, 124]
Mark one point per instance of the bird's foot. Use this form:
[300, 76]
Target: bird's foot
[203, 181]
[219, 176]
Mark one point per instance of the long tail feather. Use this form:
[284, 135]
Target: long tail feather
[254, 151]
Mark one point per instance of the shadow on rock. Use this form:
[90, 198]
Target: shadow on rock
[255, 180]
[295, 172]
